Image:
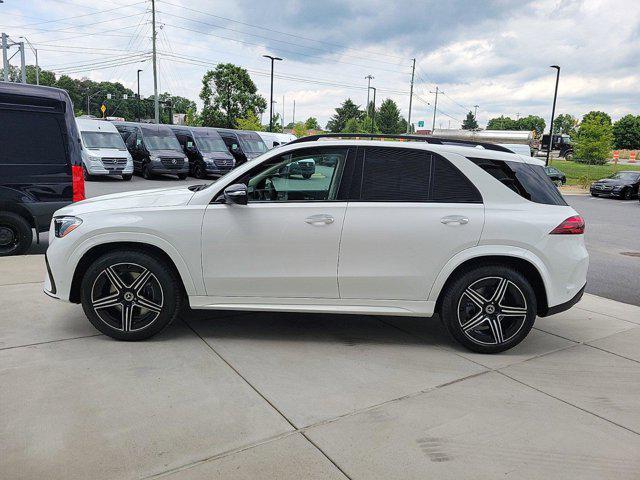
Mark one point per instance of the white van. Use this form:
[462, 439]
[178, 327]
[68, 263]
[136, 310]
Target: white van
[272, 139]
[103, 150]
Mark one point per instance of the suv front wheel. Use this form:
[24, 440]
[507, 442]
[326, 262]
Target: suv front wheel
[130, 295]
[489, 309]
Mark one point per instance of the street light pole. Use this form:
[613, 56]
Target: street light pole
[138, 74]
[368, 78]
[35, 53]
[271, 97]
[553, 112]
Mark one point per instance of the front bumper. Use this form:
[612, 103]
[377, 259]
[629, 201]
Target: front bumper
[161, 169]
[605, 193]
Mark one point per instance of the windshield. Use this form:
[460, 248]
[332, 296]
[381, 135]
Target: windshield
[161, 140]
[625, 176]
[210, 144]
[251, 144]
[98, 140]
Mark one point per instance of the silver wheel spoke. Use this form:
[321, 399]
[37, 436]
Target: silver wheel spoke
[127, 316]
[106, 302]
[501, 289]
[513, 311]
[114, 278]
[475, 297]
[148, 304]
[496, 330]
[474, 322]
[141, 281]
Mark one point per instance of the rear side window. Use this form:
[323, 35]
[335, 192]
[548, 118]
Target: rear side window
[30, 137]
[449, 185]
[528, 181]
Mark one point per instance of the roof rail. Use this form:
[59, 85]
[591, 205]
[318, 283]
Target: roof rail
[413, 138]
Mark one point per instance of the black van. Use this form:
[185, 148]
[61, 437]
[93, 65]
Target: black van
[154, 148]
[40, 161]
[207, 152]
[242, 144]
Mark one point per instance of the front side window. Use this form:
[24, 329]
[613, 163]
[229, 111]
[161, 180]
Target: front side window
[528, 181]
[304, 175]
[98, 140]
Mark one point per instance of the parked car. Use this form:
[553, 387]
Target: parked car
[242, 144]
[479, 236]
[207, 152]
[620, 185]
[154, 148]
[556, 176]
[273, 139]
[40, 162]
[103, 150]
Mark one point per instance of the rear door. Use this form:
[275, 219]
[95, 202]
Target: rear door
[411, 212]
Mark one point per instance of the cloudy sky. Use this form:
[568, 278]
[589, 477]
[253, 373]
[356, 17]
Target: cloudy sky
[495, 54]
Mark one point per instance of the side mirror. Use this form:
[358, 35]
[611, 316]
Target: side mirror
[236, 193]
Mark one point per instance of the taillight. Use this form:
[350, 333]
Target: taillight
[77, 183]
[571, 226]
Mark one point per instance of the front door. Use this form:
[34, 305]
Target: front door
[284, 243]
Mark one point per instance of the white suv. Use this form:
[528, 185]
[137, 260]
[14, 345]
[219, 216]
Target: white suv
[478, 235]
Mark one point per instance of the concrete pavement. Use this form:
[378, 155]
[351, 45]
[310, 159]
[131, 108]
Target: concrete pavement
[263, 395]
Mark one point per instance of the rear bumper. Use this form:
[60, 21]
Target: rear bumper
[563, 306]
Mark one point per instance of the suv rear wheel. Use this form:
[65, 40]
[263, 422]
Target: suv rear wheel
[489, 309]
[15, 234]
[130, 295]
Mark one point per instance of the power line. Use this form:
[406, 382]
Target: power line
[66, 29]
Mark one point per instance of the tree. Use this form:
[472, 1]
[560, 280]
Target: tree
[311, 123]
[600, 117]
[388, 117]
[229, 93]
[565, 124]
[348, 110]
[593, 141]
[300, 129]
[249, 122]
[501, 123]
[192, 118]
[178, 105]
[470, 122]
[352, 125]
[626, 132]
[530, 123]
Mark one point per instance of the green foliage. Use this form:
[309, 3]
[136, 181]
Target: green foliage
[581, 173]
[528, 123]
[352, 125]
[228, 93]
[502, 123]
[347, 111]
[593, 141]
[597, 116]
[249, 122]
[565, 124]
[470, 122]
[626, 132]
[192, 119]
[311, 123]
[388, 118]
[300, 129]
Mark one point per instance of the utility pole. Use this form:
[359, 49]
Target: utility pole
[435, 108]
[156, 100]
[475, 112]
[517, 115]
[138, 102]
[413, 72]
[294, 112]
[271, 97]
[35, 52]
[368, 78]
[553, 112]
[282, 113]
[373, 111]
[5, 60]
[23, 67]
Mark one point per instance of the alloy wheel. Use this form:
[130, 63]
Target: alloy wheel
[492, 310]
[127, 297]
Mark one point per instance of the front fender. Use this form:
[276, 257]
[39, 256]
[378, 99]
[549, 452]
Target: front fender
[488, 251]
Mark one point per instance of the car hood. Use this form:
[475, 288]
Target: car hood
[157, 197]
[613, 181]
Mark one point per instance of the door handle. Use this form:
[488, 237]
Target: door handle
[320, 219]
[459, 219]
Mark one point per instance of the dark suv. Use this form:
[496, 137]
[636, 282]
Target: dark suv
[207, 152]
[154, 148]
[242, 144]
[40, 162]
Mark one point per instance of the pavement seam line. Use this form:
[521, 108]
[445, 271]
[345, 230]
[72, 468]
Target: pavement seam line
[340, 469]
[606, 314]
[19, 283]
[51, 341]
[610, 352]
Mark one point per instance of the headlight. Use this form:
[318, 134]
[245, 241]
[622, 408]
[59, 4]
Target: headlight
[65, 225]
[154, 158]
[186, 159]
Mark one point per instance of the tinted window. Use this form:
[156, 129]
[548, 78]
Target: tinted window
[97, 140]
[160, 139]
[395, 175]
[450, 185]
[528, 181]
[31, 138]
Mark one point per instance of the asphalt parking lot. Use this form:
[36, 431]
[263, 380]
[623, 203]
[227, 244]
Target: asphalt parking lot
[289, 396]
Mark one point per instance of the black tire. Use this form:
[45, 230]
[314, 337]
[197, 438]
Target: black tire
[306, 176]
[126, 177]
[182, 176]
[497, 324]
[199, 172]
[569, 157]
[161, 291]
[628, 193]
[16, 235]
[146, 171]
